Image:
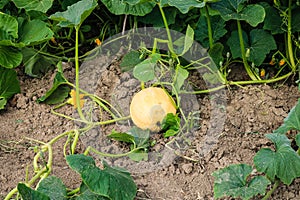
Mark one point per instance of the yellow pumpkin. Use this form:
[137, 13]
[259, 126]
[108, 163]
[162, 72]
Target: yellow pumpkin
[149, 107]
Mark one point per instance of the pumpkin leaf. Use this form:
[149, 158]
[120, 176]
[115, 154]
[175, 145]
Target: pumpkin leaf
[87, 194]
[237, 10]
[29, 194]
[58, 92]
[233, 181]
[183, 5]
[28, 32]
[218, 30]
[121, 137]
[129, 7]
[38, 5]
[9, 85]
[35, 63]
[110, 182]
[260, 44]
[144, 71]
[297, 139]
[273, 21]
[10, 57]
[53, 187]
[75, 14]
[154, 17]
[292, 121]
[283, 163]
[171, 125]
[130, 60]
[179, 78]
[9, 27]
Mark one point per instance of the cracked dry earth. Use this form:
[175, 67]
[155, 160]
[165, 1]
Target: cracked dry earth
[251, 112]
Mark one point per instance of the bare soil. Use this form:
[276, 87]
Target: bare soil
[251, 112]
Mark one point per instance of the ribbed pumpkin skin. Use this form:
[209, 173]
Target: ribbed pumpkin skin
[149, 107]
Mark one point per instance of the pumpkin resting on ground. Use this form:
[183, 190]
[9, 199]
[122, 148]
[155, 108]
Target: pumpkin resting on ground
[149, 107]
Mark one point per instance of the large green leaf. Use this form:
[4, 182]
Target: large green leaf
[8, 27]
[184, 5]
[10, 57]
[110, 182]
[87, 194]
[38, 5]
[283, 163]
[3, 3]
[218, 30]
[233, 181]
[292, 121]
[28, 32]
[154, 17]
[121, 7]
[237, 10]
[295, 20]
[9, 84]
[260, 44]
[35, 63]
[58, 92]
[29, 194]
[75, 14]
[273, 21]
[53, 187]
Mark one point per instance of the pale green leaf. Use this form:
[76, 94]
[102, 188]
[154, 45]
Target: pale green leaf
[292, 121]
[53, 187]
[180, 77]
[28, 32]
[38, 5]
[233, 181]
[3, 102]
[10, 57]
[75, 14]
[141, 137]
[120, 7]
[8, 27]
[188, 40]
[283, 163]
[144, 71]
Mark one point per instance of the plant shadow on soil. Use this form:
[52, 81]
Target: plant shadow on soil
[251, 112]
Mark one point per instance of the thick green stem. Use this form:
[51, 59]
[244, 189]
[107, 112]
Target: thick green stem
[77, 74]
[170, 43]
[268, 195]
[243, 52]
[209, 29]
[289, 37]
